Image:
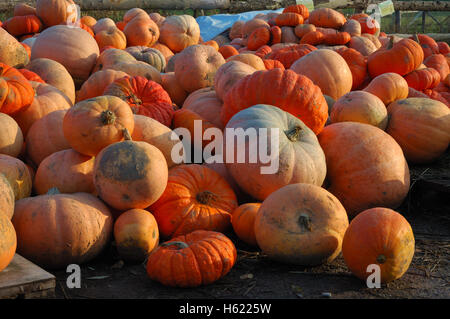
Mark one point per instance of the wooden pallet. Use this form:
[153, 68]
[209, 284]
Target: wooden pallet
[23, 279]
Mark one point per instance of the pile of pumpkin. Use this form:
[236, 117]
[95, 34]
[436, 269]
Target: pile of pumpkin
[88, 111]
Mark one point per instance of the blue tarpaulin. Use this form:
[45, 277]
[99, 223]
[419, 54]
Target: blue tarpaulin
[211, 26]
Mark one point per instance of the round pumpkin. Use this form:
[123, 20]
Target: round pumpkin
[328, 70]
[229, 74]
[236, 30]
[153, 132]
[103, 24]
[20, 25]
[164, 50]
[53, 12]
[8, 240]
[46, 137]
[110, 57]
[141, 31]
[88, 20]
[17, 174]
[56, 230]
[196, 67]
[243, 222]
[353, 27]
[363, 45]
[253, 24]
[301, 224]
[170, 84]
[206, 104]
[74, 48]
[196, 197]
[253, 60]
[157, 18]
[357, 64]
[133, 13]
[7, 198]
[111, 37]
[16, 93]
[136, 234]
[361, 107]
[281, 91]
[91, 125]
[130, 174]
[357, 173]
[379, 236]
[179, 31]
[11, 137]
[389, 87]
[294, 154]
[199, 258]
[421, 127]
[148, 55]
[66, 170]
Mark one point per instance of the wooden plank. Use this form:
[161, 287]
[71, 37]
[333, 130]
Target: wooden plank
[23, 279]
[436, 36]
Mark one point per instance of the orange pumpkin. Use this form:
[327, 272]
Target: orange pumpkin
[205, 103]
[68, 171]
[229, 74]
[88, 20]
[288, 55]
[193, 265]
[141, 31]
[357, 173]
[298, 8]
[291, 19]
[31, 76]
[196, 197]
[272, 64]
[53, 12]
[243, 222]
[23, 9]
[20, 25]
[357, 64]
[69, 228]
[258, 38]
[303, 29]
[16, 92]
[248, 58]
[11, 138]
[170, 84]
[17, 174]
[379, 236]
[111, 37]
[164, 50]
[8, 239]
[313, 38]
[368, 24]
[439, 63]
[136, 234]
[7, 198]
[301, 224]
[96, 84]
[179, 32]
[422, 79]
[91, 125]
[327, 18]
[421, 127]
[389, 87]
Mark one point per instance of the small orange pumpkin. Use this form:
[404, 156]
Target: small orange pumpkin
[243, 222]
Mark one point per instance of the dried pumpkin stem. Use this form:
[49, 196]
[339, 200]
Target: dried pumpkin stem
[205, 197]
[179, 244]
[305, 222]
[416, 38]
[126, 134]
[108, 117]
[293, 134]
[53, 191]
[381, 259]
[390, 43]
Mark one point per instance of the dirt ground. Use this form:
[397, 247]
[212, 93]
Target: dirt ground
[427, 208]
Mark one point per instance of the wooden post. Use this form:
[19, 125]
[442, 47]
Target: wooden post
[424, 16]
[398, 21]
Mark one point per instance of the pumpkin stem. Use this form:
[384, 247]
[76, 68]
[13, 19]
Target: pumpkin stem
[53, 191]
[305, 221]
[381, 259]
[126, 134]
[293, 134]
[134, 99]
[391, 43]
[416, 38]
[206, 197]
[107, 117]
[1, 70]
[179, 244]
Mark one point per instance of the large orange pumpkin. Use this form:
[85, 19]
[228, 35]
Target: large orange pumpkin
[8, 241]
[288, 55]
[130, 174]
[279, 88]
[53, 12]
[293, 152]
[68, 171]
[199, 258]
[11, 137]
[111, 37]
[327, 18]
[328, 70]
[91, 125]
[196, 198]
[136, 234]
[7, 198]
[301, 224]
[438, 62]
[421, 127]
[357, 64]
[141, 31]
[56, 230]
[144, 97]
[179, 32]
[21, 25]
[16, 92]
[379, 236]
[357, 173]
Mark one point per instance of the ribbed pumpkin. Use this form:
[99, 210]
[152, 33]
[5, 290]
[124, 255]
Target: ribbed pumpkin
[229, 74]
[196, 67]
[72, 47]
[153, 132]
[258, 38]
[91, 125]
[134, 13]
[196, 198]
[46, 137]
[170, 84]
[328, 70]
[339, 38]
[357, 64]
[68, 171]
[401, 57]
[179, 32]
[279, 88]
[298, 8]
[205, 103]
[46, 100]
[53, 12]
[379, 236]
[16, 92]
[428, 44]
[288, 55]
[303, 29]
[7, 198]
[291, 19]
[313, 38]
[143, 97]
[20, 25]
[243, 222]
[199, 258]
[17, 174]
[8, 241]
[272, 64]
[421, 127]
[357, 173]
[439, 63]
[389, 87]
[136, 234]
[148, 55]
[88, 20]
[293, 152]
[250, 25]
[423, 79]
[227, 51]
[11, 137]
[56, 230]
[55, 74]
[301, 224]
[130, 174]
[31, 76]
